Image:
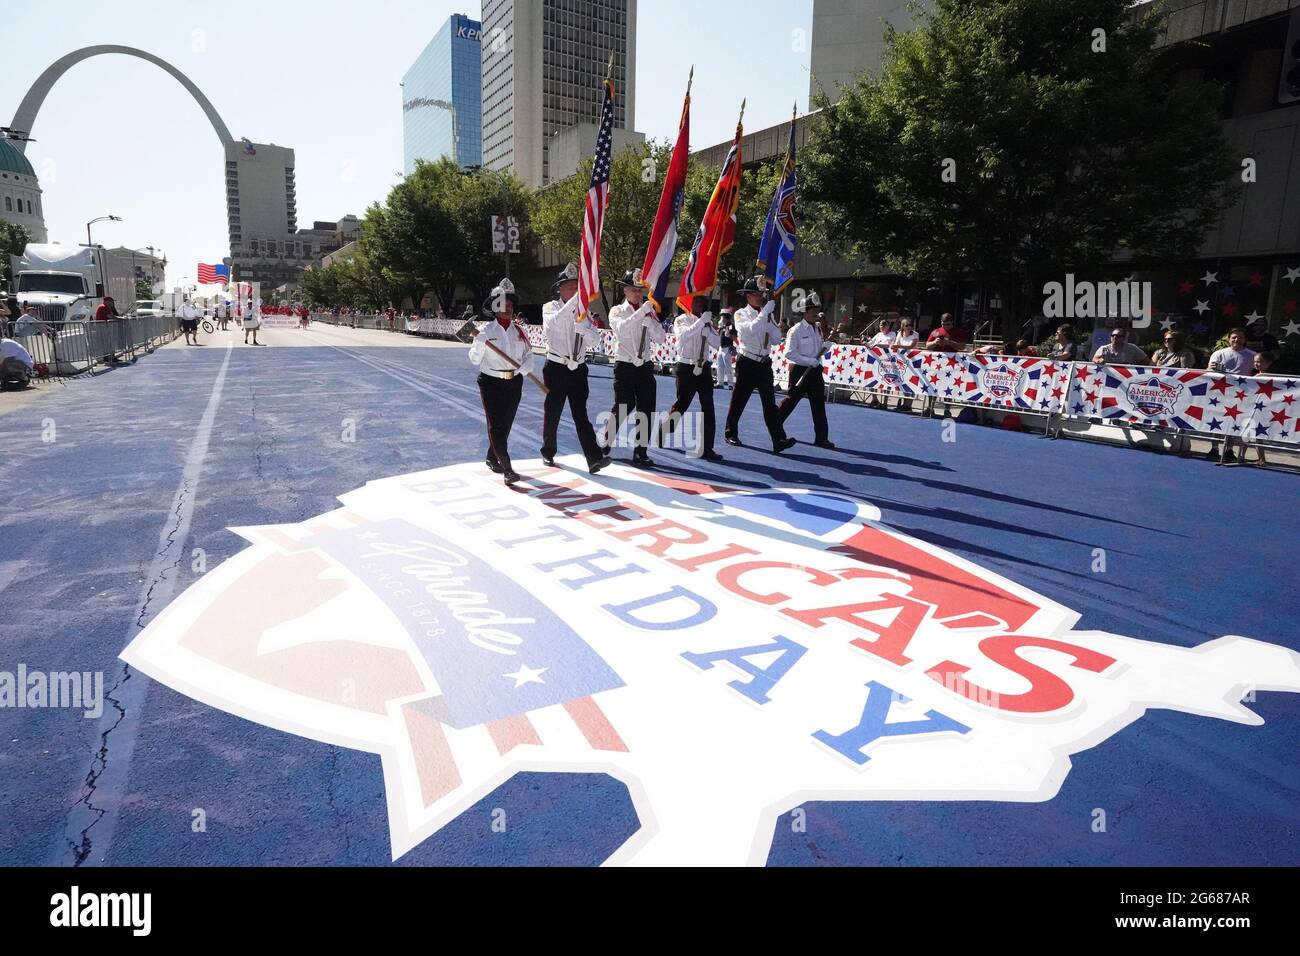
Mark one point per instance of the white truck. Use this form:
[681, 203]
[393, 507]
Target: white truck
[67, 283]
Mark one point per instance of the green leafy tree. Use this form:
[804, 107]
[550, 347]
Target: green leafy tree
[434, 232]
[1058, 154]
[13, 239]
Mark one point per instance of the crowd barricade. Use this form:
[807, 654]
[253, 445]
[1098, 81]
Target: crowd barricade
[78, 345]
[1264, 411]
[429, 327]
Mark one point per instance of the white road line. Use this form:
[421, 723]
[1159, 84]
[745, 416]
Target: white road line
[88, 832]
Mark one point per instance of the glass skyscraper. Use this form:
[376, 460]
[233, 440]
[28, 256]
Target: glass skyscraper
[445, 81]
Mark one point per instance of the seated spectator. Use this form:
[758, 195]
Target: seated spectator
[885, 337]
[15, 365]
[1062, 347]
[1024, 348]
[1236, 359]
[948, 337]
[1120, 351]
[1174, 354]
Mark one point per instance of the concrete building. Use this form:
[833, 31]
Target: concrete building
[1244, 44]
[442, 87]
[571, 145]
[542, 67]
[848, 37]
[20, 193]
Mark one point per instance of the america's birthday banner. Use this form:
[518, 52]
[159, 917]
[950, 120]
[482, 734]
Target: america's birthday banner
[1251, 408]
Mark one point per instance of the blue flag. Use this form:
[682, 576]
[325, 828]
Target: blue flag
[776, 250]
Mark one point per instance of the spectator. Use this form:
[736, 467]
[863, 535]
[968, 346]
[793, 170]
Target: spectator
[907, 337]
[997, 348]
[1120, 351]
[948, 337]
[1174, 354]
[1263, 363]
[1063, 348]
[15, 364]
[5, 316]
[1024, 348]
[107, 310]
[885, 338]
[1236, 359]
[725, 364]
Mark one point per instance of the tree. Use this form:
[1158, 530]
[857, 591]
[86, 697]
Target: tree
[434, 232]
[1057, 156]
[13, 239]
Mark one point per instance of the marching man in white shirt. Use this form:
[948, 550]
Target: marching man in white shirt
[568, 337]
[637, 329]
[696, 338]
[503, 356]
[757, 331]
[804, 347]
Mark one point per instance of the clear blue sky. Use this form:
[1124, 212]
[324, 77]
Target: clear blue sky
[118, 135]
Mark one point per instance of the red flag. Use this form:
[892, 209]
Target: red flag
[717, 231]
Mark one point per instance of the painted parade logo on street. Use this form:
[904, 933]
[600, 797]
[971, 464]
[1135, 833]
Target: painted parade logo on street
[729, 654]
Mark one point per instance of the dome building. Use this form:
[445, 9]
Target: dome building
[20, 193]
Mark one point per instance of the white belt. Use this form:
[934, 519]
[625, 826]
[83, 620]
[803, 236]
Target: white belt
[495, 374]
[753, 356]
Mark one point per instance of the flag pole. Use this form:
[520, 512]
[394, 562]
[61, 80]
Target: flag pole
[690, 78]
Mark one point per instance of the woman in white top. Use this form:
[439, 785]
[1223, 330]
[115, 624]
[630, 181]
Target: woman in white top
[907, 336]
[885, 337]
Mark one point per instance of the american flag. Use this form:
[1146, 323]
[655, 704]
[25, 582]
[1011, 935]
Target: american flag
[597, 200]
[212, 274]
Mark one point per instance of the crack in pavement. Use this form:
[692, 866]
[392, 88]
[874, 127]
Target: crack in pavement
[91, 820]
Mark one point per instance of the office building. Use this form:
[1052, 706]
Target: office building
[542, 70]
[440, 98]
[1244, 46]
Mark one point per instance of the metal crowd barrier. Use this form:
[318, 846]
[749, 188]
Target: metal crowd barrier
[460, 330]
[76, 346]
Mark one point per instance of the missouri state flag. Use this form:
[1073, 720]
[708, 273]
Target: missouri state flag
[717, 230]
[663, 238]
[213, 274]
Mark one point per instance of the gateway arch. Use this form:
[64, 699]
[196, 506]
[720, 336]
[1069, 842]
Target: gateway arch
[25, 118]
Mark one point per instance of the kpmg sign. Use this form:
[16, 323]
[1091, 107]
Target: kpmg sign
[466, 32]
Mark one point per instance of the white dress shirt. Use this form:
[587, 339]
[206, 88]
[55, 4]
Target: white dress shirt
[804, 344]
[510, 340]
[628, 324]
[567, 339]
[757, 330]
[695, 337]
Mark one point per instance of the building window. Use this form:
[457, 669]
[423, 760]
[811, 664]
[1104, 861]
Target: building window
[9, 204]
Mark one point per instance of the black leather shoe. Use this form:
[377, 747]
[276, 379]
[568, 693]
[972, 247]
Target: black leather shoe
[733, 440]
[493, 466]
[548, 461]
[712, 456]
[783, 444]
[825, 443]
[643, 461]
[596, 466]
[511, 477]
